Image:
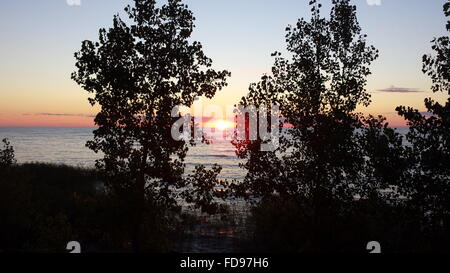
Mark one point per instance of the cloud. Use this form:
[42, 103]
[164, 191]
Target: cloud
[374, 2]
[394, 89]
[61, 115]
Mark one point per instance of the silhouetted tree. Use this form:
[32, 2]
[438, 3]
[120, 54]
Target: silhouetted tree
[328, 154]
[427, 182]
[317, 91]
[7, 157]
[137, 74]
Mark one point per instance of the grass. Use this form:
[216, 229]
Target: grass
[44, 206]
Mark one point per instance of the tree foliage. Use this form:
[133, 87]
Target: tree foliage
[427, 182]
[138, 73]
[318, 90]
[329, 155]
[7, 157]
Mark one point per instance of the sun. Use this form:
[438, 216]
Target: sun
[222, 125]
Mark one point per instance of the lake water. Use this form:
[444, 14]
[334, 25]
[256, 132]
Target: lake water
[67, 146]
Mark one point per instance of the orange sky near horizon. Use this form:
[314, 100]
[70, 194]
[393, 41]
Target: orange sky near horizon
[80, 119]
[71, 109]
[60, 102]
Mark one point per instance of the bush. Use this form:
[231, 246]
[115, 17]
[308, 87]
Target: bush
[43, 207]
[281, 225]
[7, 157]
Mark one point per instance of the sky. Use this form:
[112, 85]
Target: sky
[38, 40]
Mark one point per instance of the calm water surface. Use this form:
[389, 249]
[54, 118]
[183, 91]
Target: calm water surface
[67, 146]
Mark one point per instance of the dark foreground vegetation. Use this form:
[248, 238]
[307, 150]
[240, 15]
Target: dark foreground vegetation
[45, 206]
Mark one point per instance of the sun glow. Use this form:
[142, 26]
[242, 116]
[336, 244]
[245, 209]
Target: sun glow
[222, 125]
